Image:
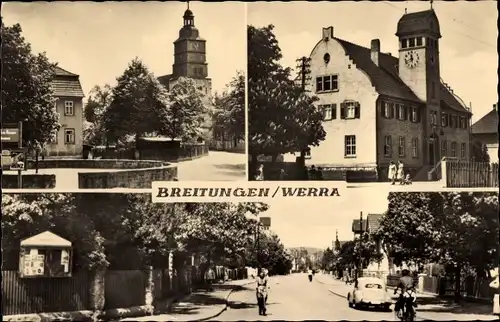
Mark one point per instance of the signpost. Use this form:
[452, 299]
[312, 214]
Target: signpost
[13, 153]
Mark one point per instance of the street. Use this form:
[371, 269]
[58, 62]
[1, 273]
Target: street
[217, 166]
[294, 298]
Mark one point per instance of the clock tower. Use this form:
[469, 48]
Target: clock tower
[189, 51]
[418, 68]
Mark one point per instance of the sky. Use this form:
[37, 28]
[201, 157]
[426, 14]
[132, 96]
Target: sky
[468, 47]
[98, 40]
[313, 222]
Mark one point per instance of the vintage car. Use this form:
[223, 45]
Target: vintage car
[369, 292]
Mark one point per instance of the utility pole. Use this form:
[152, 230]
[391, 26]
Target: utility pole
[304, 68]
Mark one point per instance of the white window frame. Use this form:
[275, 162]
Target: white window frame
[327, 112]
[402, 146]
[414, 147]
[453, 149]
[401, 112]
[414, 114]
[387, 110]
[350, 146]
[388, 146]
[69, 108]
[331, 80]
[350, 110]
[463, 150]
[71, 133]
[444, 148]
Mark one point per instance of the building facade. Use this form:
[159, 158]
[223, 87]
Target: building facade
[69, 105]
[485, 130]
[380, 108]
[190, 62]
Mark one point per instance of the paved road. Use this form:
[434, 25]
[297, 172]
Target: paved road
[294, 298]
[217, 166]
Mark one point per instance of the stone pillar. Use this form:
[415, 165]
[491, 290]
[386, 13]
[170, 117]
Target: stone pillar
[97, 293]
[444, 180]
[421, 279]
[149, 290]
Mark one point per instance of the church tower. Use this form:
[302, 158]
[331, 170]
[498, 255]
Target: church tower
[190, 51]
[419, 35]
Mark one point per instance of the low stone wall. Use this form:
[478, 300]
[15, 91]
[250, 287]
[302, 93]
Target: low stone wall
[30, 181]
[136, 179]
[95, 164]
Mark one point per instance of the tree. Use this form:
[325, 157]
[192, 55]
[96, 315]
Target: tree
[24, 215]
[99, 100]
[229, 112]
[480, 152]
[455, 229]
[328, 259]
[139, 104]
[186, 113]
[27, 93]
[282, 117]
[269, 252]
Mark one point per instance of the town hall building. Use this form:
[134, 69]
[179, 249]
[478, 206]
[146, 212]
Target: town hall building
[380, 108]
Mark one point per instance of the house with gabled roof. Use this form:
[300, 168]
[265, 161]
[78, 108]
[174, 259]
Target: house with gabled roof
[379, 108]
[485, 130]
[69, 104]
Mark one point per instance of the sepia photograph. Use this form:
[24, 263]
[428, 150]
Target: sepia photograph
[335, 94]
[120, 257]
[141, 92]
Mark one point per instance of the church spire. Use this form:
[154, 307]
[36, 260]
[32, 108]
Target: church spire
[188, 17]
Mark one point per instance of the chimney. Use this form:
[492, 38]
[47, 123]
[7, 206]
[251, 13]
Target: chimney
[328, 33]
[375, 50]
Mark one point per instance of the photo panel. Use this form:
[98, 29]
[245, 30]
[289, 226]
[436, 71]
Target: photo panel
[342, 260]
[156, 94]
[334, 94]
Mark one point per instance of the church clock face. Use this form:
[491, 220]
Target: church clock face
[196, 46]
[412, 59]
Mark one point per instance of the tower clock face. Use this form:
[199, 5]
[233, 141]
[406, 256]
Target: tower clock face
[196, 46]
[412, 59]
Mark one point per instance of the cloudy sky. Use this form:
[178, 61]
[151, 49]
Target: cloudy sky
[98, 40]
[312, 222]
[469, 58]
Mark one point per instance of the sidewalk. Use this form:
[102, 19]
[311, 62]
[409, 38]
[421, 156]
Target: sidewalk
[200, 305]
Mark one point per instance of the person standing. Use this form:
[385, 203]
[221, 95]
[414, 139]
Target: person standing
[401, 172]
[261, 291]
[310, 274]
[392, 172]
[259, 176]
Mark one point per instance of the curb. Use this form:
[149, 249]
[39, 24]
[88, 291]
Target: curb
[225, 306]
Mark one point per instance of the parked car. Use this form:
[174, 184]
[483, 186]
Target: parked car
[369, 292]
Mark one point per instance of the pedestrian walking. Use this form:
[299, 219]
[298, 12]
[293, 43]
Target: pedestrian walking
[400, 172]
[261, 291]
[210, 277]
[393, 169]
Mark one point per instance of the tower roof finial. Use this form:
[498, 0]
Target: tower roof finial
[188, 4]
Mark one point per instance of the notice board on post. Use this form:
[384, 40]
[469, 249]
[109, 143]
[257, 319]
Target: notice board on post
[45, 255]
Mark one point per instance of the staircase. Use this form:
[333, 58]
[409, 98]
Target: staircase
[422, 174]
[429, 173]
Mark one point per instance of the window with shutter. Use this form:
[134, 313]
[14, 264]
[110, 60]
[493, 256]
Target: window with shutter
[402, 113]
[391, 109]
[334, 111]
[342, 111]
[401, 147]
[387, 146]
[414, 147]
[414, 114]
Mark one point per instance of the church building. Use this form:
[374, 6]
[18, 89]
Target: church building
[190, 62]
[380, 108]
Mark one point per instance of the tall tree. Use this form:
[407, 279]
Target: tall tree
[479, 152]
[270, 254]
[456, 229]
[229, 113]
[27, 93]
[99, 100]
[282, 118]
[186, 113]
[139, 104]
